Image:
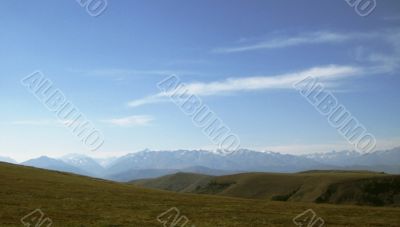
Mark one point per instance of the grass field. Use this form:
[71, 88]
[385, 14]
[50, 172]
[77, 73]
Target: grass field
[71, 200]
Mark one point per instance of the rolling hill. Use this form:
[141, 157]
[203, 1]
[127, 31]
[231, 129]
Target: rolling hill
[339, 187]
[72, 200]
[135, 174]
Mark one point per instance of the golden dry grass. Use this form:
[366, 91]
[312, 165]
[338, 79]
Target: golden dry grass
[71, 200]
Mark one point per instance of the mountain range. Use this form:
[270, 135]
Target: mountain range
[151, 164]
[7, 159]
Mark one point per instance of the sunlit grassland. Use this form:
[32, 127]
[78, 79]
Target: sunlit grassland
[71, 200]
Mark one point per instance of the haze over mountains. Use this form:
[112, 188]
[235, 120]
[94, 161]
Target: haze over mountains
[7, 159]
[150, 164]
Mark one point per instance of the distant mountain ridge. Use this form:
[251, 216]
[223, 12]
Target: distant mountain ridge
[242, 160]
[45, 162]
[7, 159]
[386, 160]
[148, 164]
[84, 163]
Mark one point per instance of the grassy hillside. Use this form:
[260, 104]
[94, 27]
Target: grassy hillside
[351, 187]
[179, 182]
[71, 200]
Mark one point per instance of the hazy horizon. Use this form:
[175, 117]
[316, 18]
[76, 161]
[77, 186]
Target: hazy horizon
[99, 156]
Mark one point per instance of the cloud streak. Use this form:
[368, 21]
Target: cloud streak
[306, 38]
[134, 120]
[309, 38]
[374, 63]
[231, 85]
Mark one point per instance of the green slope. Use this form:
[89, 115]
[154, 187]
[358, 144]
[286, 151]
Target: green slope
[179, 182]
[313, 186]
[71, 200]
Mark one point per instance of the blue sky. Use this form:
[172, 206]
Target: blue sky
[104, 63]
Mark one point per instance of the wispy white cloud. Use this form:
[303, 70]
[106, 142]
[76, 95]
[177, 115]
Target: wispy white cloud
[269, 82]
[378, 62]
[383, 61]
[148, 100]
[231, 85]
[307, 38]
[288, 41]
[374, 63]
[135, 120]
